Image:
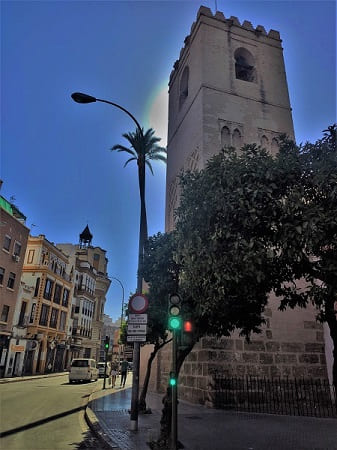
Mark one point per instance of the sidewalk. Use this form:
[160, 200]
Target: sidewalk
[202, 428]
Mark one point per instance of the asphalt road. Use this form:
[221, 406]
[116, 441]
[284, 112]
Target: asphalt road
[46, 414]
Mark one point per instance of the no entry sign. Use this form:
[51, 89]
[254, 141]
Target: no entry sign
[138, 303]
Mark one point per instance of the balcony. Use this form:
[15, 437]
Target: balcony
[83, 291]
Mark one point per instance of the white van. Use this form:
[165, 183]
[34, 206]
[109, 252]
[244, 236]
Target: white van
[83, 369]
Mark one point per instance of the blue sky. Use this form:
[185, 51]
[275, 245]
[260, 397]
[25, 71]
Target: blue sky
[55, 157]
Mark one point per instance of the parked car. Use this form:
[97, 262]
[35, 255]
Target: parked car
[101, 368]
[83, 369]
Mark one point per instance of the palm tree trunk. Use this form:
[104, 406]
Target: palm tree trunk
[143, 222]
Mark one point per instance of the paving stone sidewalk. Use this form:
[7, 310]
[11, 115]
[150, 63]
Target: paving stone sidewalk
[202, 428]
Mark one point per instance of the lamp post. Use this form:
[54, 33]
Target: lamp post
[122, 314]
[84, 98]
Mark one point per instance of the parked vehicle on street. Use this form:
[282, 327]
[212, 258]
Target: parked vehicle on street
[101, 368]
[83, 369]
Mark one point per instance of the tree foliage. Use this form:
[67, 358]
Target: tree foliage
[251, 223]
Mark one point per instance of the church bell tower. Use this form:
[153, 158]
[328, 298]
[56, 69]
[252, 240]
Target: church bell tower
[228, 87]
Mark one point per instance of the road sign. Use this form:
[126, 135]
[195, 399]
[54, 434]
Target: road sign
[138, 303]
[137, 318]
[136, 338]
[136, 328]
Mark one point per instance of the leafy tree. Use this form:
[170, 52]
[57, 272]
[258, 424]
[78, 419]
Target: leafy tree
[251, 223]
[308, 231]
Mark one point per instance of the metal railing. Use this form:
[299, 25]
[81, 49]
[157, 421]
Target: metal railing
[297, 397]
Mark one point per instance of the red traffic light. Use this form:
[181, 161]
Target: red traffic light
[188, 328]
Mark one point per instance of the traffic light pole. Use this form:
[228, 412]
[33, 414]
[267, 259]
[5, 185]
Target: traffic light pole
[174, 387]
[106, 348]
[105, 361]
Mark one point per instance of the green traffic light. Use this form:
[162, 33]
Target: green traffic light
[175, 323]
[173, 382]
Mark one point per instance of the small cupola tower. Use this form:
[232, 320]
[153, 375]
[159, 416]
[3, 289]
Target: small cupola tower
[85, 238]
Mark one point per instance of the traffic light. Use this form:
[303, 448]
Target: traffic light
[187, 334]
[188, 327]
[173, 379]
[107, 343]
[174, 318]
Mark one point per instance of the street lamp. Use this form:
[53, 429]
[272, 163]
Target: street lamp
[84, 98]
[122, 314]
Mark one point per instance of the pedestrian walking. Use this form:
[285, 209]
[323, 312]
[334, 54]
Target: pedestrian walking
[113, 374]
[124, 372]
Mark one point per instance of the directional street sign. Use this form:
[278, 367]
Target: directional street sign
[137, 318]
[136, 338]
[136, 329]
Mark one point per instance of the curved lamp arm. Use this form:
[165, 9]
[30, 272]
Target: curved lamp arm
[79, 97]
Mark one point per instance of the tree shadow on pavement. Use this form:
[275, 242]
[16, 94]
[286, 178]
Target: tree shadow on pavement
[90, 441]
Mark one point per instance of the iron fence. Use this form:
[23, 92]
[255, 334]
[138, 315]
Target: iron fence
[298, 397]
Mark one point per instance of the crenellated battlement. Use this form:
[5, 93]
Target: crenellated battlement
[232, 22]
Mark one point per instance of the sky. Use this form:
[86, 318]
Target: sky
[55, 161]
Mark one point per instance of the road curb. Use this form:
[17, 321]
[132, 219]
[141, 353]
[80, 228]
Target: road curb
[95, 426]
[97, 430]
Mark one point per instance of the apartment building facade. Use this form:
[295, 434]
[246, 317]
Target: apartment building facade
[14, 236]
[49, 276]
[91, 283]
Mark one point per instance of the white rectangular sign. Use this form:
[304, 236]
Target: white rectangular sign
[136, 338]
[137, 318]
[136, 328]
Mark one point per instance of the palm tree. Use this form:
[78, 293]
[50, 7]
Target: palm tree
[143, 149]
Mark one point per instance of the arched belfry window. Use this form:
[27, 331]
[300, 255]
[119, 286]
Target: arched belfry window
[225, 137]
[264, 142]
[274, 146]
[183, 88]
[237, 139]
[244, 65]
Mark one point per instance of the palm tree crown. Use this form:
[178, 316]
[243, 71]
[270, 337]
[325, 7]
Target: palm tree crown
[143, 148]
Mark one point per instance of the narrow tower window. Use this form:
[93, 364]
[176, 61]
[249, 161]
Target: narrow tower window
[225, 137]
[237, 139]
[264, 142]
[244, 65]
[274, 146]
[184, 85]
